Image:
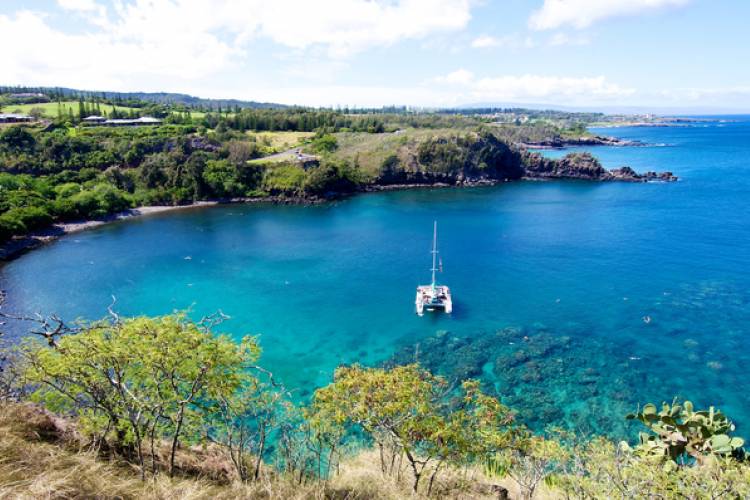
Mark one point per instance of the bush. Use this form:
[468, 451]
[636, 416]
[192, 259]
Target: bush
[26, 219]
[222, 179]
[10, 227]
[332, 177]
[326, 143]
[100, 200]
[284, 179]
[17, 139]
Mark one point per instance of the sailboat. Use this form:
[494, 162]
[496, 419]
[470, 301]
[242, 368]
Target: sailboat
[433, 296]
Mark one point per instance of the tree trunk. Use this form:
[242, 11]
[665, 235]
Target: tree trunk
[413, 463]
[432, 478]
[261, 449]
[178, 429]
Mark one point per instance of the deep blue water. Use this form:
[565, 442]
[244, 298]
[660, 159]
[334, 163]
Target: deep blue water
[551, 281]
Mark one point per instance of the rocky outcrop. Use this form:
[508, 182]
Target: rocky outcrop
[484, 159]
[595, 140]
[460, 160]
[585, 167]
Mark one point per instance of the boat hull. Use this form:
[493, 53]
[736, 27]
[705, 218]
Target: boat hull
[433, 299]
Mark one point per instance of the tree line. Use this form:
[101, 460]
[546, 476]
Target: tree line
[56, 176]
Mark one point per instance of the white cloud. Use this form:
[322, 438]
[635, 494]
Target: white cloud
[547, 87]
[486, 41]
[737, 93]
[136, 42]
[103, 59]
[533, 88]
[559, 39]
[347, 26]
[513, 41]
[582, 13]
[81, 5]
[458, 77]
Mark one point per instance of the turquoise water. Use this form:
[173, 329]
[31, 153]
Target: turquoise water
[551, 281]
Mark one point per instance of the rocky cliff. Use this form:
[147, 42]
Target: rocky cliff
[483, 158]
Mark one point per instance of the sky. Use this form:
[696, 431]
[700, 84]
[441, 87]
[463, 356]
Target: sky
[599, 54]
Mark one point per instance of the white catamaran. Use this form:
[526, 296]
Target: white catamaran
[433, 296]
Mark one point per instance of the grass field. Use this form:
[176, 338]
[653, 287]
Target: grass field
[281, 141]
[50, 108]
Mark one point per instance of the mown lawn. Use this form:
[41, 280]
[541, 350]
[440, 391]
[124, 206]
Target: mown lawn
[50, 108]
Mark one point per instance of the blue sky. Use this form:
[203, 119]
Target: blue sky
[657, 54]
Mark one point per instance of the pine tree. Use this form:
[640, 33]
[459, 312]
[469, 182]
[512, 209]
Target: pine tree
[81, 109]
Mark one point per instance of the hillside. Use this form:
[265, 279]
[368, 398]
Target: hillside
[162, 98]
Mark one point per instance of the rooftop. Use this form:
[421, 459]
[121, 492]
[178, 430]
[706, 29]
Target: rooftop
[14, 116]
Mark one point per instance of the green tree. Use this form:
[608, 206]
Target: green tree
[408, 412]
[136, 380]
[222, 178]
[17, 139]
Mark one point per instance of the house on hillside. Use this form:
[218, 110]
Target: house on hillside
[94, 119]
[26, 95]
[118, 122]
[134, 122]
[15, 118]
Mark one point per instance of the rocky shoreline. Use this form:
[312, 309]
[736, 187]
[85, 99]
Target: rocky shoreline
[584, 166]
[596, 140]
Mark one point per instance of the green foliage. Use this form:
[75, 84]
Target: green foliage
[600, 469]
[284, 179]
[332, 176]
[531, 460]
[479, 154]
[222, 178]
[17, 139]
[135, 380]
[678, 431]
[408, 412]
[325, 143]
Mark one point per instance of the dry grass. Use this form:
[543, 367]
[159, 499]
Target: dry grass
[41, 456]
[362, 474]
[281, 141]
[370, 150]
[37, 460]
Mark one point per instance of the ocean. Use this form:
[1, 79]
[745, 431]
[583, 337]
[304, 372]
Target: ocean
[573, 301]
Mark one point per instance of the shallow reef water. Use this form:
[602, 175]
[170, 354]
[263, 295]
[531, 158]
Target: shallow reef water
[567, 376]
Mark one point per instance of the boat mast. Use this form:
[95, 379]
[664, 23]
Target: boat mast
[434, 255]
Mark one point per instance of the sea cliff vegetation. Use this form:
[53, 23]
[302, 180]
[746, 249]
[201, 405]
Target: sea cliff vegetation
[166, 407]
[59, 168]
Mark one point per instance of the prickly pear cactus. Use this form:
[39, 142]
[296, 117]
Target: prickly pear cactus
[678, 431]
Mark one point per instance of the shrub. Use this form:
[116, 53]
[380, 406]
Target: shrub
[284, 179]
[332, 177]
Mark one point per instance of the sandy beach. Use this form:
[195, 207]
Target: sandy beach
[18, 246]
